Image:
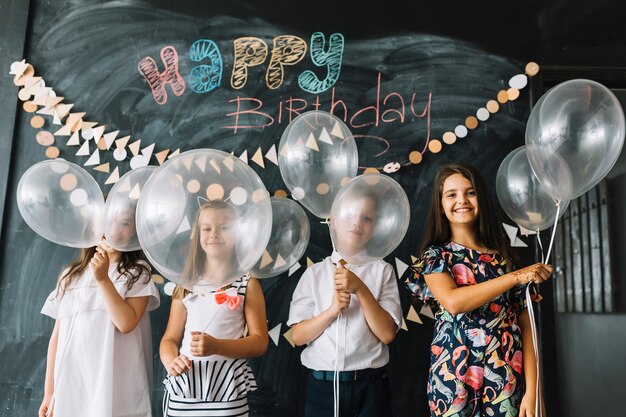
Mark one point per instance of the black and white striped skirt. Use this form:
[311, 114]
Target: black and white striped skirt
[210, 388]
[174, 406]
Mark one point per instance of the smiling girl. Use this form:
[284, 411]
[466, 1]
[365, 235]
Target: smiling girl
[482, 358]
[204, 349]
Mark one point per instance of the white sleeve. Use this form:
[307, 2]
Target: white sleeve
[52, 304]
[389, 298]
[302, 305]
[141, 288]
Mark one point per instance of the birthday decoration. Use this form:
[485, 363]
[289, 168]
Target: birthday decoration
[90, 137]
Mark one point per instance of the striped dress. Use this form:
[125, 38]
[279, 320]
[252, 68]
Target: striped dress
[215, 385]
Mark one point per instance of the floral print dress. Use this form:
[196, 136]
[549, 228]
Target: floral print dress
[476, 357]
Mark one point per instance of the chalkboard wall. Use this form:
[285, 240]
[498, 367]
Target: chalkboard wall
[407, 74]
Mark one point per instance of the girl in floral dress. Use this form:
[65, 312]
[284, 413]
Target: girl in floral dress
[482, 358]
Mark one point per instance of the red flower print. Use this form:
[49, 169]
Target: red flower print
[463, 275]
[495, 307]
[485, 257]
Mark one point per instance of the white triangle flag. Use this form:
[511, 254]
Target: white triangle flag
[84, 150]
[184, 226]
[97, 133]
[56, 120]
[511, 232]
[294, 268]
[266, 259]
[94, 159]
[518, 243]
[258, 158]
[135, 193]
[74, 140]
[325, 137]
[114, 177]
[215, 166]
[109, 138]
[279, 261]
[201, 163]
[337, 131]
[525, 232]
[311, 143]
[147, 151]
[271, 155]
[287, 335]
[401, 267]
[413, 316]
[275, 333]
[426, 311]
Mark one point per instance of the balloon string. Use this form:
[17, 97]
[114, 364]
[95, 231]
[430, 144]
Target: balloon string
[336, 373]
[535, 337]
[332, 241]
[556, 221]
[540, 247]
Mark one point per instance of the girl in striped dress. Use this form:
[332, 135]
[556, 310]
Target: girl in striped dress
[204, 349]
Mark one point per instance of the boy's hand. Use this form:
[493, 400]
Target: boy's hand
[99, 264]
[202, 344]
[346, 280]
[341, 301]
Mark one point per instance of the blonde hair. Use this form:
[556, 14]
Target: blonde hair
[196, 258]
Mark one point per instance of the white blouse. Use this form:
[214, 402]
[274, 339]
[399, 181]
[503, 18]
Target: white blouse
[358, 347]
[100, 372]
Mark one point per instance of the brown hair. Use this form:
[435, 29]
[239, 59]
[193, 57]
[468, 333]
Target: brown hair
[132, 264]
[196, 258]
[490, 233]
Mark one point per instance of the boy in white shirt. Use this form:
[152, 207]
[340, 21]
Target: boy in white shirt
[355, 343]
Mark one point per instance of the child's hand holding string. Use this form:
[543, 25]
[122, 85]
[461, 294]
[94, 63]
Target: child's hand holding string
[179, 365]
[202, 344]
[99, 264]
[341, 301]
[346, 280]
[534, 273]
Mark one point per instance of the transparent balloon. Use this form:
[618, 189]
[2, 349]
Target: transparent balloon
[288, 240]
[62, 203]
[576, 130]
[120, 208]
[317, 154]
[204, 217]
[522, 196]
[369, 218]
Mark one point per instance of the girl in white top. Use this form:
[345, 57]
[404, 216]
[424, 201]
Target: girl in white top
[204, 348]
[100, 352]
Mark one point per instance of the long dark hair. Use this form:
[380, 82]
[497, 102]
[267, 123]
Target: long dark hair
[131, 264]
[490, 232]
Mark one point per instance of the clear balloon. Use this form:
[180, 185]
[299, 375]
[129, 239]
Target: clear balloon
[317, 154]
[204, 217]
[120, 208]
[574, 133]
[522, 196]
[288, 241]
[369, 218]
[62, 203]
